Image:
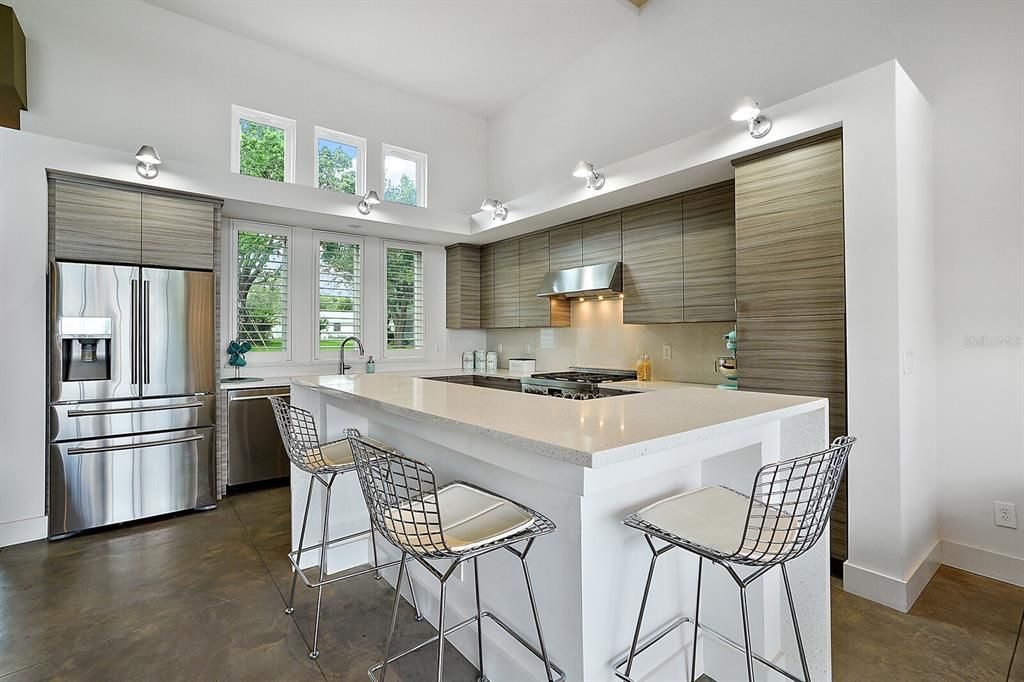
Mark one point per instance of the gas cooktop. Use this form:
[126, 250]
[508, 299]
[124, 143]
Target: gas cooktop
[588, 375]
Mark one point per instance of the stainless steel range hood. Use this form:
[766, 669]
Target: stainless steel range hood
[590, 280]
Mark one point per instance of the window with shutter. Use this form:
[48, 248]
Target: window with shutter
[339, 291]
[404, 300]
[261, 286]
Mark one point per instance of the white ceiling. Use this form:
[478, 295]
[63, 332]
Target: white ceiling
[475, 55]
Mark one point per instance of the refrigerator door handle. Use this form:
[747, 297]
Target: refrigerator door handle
[145, 322]
[135, 332]
[133, 446]
[129, 410]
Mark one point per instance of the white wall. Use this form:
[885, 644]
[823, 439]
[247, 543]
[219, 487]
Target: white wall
[126, 73]
[681, 67]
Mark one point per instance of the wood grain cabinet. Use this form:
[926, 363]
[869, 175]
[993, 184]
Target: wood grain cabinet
[709, 255]
[177, 233]
[790, 283]
[789, 232]
[652, 263]
[96, 223]
[487, 286]
[462, 279]
[506, 284]
[566, 247]
[534, 263]
[602, 239]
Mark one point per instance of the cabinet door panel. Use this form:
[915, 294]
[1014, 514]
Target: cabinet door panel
[566, 247]
[789, 232]
[798, 355]
[709, 255]
[462, 282]
[602, 239]
[487, 286]
[98, 224]
[652, 263]
[177, 233]
[506, 284]
[534, 311]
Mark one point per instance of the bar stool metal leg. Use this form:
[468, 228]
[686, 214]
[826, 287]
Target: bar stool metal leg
[746, 634]
[302, 539]
[696, 621]
[323, 566]
[643, 607]
[412, 595]
[394, 618]
[479, 622]
[440, 634]
[373, 544]
[536, 616]
[796, 625]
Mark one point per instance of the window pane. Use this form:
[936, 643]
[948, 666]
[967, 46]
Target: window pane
[260, 150]
[337, 164]
[400, 180]
[404, 299]
[339, 285]
[262, 271]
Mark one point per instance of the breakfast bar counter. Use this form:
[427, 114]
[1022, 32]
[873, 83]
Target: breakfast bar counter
[586, 464]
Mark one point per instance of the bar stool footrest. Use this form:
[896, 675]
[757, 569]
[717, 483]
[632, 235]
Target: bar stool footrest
[560, 674]
[293, 559]
[653, 639]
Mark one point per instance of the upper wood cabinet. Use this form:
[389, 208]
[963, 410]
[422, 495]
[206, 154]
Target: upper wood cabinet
[709, 255]
[96, 223]
[536, 311]
[506, 284]
[462, 279]
[100, 223]
[789, 232]
[177, 233]
[566, 247]
[652, 263]
[487, 286]
[602, 239]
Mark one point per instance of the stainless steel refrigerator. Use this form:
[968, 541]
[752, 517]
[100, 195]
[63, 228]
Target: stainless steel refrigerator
[132, 383]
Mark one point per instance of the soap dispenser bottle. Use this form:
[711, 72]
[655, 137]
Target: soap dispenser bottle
[371, 366]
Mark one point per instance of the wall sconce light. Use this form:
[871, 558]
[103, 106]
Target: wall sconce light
[369, 200]
[585, 169]
[749, 111]
[149, 161]
[499, 211]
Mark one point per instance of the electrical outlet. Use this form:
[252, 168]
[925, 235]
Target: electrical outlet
[528, 348]
[1006, 514]
[499, 348]
[666, 352]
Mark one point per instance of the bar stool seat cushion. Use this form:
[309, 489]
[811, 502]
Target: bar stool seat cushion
[469, 518]
[336, 454]
[715, 518]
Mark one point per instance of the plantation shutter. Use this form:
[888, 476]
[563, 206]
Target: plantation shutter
[262, 285]
[340, 292]
[404, 273]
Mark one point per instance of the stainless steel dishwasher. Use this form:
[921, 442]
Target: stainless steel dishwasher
[255, 450]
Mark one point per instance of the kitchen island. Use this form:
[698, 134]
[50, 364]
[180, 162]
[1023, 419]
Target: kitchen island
[586, 465]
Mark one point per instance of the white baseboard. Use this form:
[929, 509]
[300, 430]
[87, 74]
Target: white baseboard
[1009, 569]
[23, 530]
[892, 592]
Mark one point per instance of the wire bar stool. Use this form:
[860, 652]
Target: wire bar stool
[324, 462]
[783, 517]
[457, 522]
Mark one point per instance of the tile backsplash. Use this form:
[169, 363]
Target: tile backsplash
[598, 338]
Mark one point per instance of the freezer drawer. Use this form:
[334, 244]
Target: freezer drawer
[95, 483]
[80, 421]
[255, 450]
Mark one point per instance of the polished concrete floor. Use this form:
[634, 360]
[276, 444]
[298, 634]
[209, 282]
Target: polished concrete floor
[201, 597]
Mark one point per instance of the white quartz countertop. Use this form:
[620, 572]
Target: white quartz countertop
[591, 433]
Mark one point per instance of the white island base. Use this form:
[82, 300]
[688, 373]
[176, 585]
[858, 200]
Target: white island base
[586, 465]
